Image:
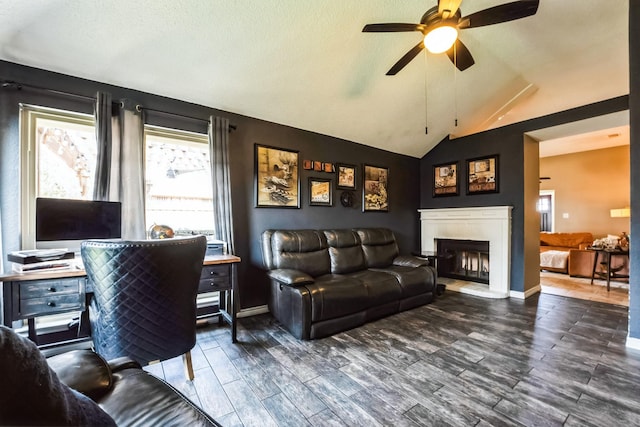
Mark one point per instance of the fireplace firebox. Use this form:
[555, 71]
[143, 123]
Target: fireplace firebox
[463, 259]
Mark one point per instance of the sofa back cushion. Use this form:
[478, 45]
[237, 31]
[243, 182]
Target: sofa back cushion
[345, 251]
[566, 240]
[304, 250]
[378, 245]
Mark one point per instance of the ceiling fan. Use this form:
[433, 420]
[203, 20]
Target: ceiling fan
[440, 26]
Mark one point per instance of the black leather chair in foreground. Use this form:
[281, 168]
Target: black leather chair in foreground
[144, 302]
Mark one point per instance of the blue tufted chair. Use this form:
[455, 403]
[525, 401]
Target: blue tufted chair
[144, 297]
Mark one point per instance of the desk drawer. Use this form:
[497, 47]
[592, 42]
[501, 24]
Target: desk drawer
[51, 305]
[46, 288]
[215, 278]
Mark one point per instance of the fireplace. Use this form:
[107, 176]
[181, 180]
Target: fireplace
[463, 259]
[490, 224]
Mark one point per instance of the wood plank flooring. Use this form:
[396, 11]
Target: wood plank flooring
[460, 361]
[581, 288]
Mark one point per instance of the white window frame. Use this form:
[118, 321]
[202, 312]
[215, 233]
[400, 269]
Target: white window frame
[29, 114]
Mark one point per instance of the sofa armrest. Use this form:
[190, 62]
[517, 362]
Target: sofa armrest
[410, 261]
[84, 371]
[290, 277]
[121, 363]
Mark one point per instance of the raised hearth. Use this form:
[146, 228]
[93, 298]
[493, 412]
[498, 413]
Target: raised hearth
[492, 224]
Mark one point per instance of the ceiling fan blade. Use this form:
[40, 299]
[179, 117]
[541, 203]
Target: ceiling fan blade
[406, 59]
[392, 28]
[462, 58]
[448, 8]
[501, 13]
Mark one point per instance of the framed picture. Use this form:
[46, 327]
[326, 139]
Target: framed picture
[482, 175]
[445, 180]
[346, 176]
[277, 178]
[307, 164]
[320, 192]
[375, 197]
[317, 166]
[327, 167]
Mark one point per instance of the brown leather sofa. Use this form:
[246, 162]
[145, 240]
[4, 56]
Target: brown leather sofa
[327, 281]
[563, 244]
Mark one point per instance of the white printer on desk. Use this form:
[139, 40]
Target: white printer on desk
[215, 247]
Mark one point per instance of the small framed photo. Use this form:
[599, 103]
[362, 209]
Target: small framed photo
[346, 176]
[320, 192]
[375, 196]
[327, 167]
[445, 180]
[307, 164]
[317, 166]
[482, 175]
[277, 180]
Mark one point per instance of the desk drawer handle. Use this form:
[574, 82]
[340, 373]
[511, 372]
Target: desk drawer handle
[213, 273]
[51, 289]
[51, 304]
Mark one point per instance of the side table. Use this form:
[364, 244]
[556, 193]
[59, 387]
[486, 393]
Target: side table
[608, 273]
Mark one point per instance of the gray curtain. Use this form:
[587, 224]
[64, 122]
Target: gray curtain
[103, 115]
[221, 176]
[127, 169]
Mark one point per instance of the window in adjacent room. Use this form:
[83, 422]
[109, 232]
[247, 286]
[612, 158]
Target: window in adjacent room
[178, 181]
[58, 159]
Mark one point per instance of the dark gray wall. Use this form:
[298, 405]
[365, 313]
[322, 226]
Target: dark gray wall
[508, 143]
[249, 221]
[634, 119]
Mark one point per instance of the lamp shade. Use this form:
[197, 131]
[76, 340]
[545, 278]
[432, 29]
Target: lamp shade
[440, 39]
[621, 213]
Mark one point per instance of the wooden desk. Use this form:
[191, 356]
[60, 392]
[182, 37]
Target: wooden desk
[44, 293]
[608, 273]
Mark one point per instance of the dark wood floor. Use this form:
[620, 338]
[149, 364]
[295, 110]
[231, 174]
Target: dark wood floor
[461, 361]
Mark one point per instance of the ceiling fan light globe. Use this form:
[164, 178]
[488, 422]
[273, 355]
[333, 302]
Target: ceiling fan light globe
[440, 39]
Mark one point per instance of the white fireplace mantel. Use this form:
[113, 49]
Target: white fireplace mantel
[492, 224]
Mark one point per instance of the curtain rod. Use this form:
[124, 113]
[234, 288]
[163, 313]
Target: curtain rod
[19, 86]
[10, 83]
[169, 113]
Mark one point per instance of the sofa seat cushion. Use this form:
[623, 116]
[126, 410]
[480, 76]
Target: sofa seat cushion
[382, 288]
[554, 259]
[333, 295]
[413, 281]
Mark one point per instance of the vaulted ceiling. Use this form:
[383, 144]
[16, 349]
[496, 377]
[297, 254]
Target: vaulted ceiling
[308, 64]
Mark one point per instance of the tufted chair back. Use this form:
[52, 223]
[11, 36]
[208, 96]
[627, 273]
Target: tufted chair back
[144, 296]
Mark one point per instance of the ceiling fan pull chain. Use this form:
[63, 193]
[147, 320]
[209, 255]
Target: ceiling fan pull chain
[426, 113]
[455, 84]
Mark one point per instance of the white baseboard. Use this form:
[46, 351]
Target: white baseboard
[253, 311]
[633, 343]
[526, 294]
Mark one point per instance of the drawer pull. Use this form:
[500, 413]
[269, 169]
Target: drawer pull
[51, 304]
[213, 273]
[51, 289]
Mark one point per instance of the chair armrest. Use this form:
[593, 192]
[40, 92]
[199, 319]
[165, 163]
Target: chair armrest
[84, 371]
[290, 277]
[410, 261]
[124, 362]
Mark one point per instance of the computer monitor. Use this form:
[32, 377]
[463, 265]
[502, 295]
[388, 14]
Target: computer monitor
[65, 223]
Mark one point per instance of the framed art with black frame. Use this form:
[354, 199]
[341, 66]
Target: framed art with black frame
[320, 192]
[482, 175]
[375, 187]
[345, 176]
[445, 180]
[277, 181]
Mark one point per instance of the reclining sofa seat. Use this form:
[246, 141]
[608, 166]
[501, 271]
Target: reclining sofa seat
[328, 281]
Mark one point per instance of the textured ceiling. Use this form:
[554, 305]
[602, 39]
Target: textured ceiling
[307, 64]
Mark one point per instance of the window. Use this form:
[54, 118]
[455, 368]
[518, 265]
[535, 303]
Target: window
[178, 188]
[58, 159]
